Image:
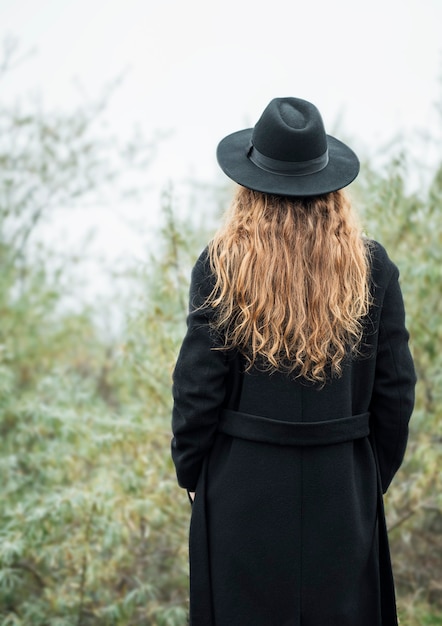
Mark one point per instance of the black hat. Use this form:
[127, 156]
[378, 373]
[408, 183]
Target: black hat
[287, 153]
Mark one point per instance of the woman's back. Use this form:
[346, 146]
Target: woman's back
[292, 393]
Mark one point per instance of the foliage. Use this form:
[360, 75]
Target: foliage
[91, 529]
[159, 305]
[83, 531]
[87, 487]
[410, 226]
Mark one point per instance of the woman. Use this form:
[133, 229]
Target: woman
[292, 391]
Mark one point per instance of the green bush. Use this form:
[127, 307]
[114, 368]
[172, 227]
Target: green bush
[83, 532]
[410, 226]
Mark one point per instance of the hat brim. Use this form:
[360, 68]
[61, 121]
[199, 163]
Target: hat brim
[341, 170]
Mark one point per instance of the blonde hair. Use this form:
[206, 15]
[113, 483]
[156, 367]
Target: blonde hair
[291, 282]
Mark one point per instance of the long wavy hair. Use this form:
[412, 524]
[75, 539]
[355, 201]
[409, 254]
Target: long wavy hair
[291, 282]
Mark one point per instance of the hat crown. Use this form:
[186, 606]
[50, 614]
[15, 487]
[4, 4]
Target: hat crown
[288, 153]
[290, 129]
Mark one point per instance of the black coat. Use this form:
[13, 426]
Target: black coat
[288, 527]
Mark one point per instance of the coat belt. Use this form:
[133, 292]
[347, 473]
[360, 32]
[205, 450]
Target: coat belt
[264, 429]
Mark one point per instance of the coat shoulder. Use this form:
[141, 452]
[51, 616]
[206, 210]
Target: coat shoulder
[383, 269]
[202, 280]
[202, 264]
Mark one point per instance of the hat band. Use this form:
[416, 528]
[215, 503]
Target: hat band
[287, 168]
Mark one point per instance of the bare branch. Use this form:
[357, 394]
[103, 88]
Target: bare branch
[11, 59]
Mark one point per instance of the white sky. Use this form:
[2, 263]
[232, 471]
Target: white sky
[205, 68]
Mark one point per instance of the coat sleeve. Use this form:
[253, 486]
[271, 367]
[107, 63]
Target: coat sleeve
[199, 384]
[393, 391]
